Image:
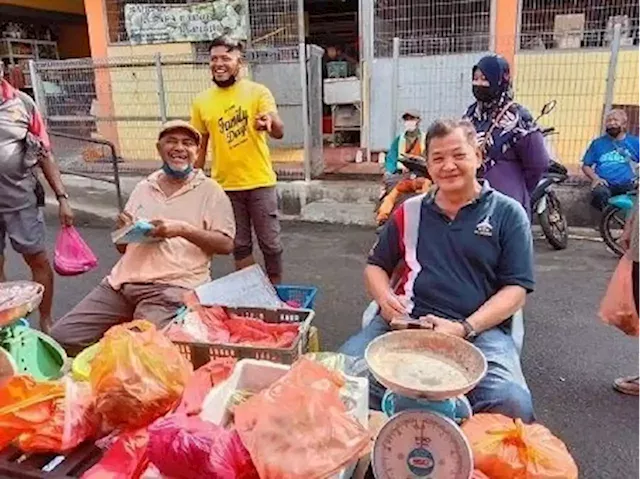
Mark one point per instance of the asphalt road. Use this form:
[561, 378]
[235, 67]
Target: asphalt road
[570, 358]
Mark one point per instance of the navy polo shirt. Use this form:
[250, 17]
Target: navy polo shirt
[457, 265]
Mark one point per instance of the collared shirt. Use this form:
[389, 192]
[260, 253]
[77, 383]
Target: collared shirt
[452, 267]
[19, 118]
[175, 261]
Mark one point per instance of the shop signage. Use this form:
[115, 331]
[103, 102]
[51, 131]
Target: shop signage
[197, 22]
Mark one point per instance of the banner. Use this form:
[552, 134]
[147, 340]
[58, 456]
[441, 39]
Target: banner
[199, 22]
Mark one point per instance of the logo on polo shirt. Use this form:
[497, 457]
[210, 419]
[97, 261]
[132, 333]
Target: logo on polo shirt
[484, 228]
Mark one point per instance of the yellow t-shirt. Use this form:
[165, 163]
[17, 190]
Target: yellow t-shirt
[241, 159]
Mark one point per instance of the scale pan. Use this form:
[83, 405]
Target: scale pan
[425, 364]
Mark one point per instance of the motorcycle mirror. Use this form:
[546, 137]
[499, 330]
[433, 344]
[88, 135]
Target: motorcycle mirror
[548, 108]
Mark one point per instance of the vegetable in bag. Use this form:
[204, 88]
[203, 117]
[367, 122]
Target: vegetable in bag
[72, 256]
[504, 448]
[137, 375]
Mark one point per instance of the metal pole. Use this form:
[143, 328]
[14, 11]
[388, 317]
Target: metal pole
[611, 73]
[160, 79]
[366, 71]
[37, 90]
[302, 54]
[395, 80]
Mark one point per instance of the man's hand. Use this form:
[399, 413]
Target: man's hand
[168, 228]
[392, 306]
[65, 213]
[264, 122]
[598, 182]
[123, 219]
[442, 325]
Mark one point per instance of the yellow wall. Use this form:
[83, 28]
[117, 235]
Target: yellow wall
[64, 6]
[134, 93]
[577, 80]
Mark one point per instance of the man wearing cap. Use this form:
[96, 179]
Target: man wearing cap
[409, 142]
[193, 221]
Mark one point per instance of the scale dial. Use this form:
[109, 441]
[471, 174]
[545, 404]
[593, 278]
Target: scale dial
[421, 445]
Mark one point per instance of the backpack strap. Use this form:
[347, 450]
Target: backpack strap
[494, 123]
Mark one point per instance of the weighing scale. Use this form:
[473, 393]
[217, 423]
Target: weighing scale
[422, 439]
[24, 350]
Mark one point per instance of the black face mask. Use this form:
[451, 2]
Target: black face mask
[226, 83]
[613, 131]
[482, 93]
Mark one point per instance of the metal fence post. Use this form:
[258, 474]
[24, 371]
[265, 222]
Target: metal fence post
[162, 100]
[36, 84]
[366, 25]
[302, 54]
[395, 81]
[611, 73]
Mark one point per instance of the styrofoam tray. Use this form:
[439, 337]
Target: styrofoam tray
[253, 375]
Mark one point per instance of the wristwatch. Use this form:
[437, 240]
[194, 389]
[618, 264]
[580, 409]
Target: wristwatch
[61, 196]
[469, 333]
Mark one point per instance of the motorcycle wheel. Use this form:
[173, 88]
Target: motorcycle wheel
[613, 219]
[554, 223]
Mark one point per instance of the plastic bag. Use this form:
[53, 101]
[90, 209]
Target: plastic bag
[504, 448]
[72, 255]
[184, 447]
[137, 375]
[73, 420]
[25, 404]
[126, 458]
[618, 307]
[46, 416]
[202, 381]
[298, 427]
[478, 475]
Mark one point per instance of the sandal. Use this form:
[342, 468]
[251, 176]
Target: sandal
[628, 385]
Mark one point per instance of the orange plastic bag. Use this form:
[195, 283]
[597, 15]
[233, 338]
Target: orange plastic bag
[127, 458]
[478, 475]
[618, 307]
[298, 427]
[47, 416]
[137, 375]
[504, 448]
[25, 404]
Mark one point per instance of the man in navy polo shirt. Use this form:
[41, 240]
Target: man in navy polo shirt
[466, 256]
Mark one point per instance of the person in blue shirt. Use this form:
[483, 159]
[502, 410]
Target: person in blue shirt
[609, 160]
[410, 141]
[465, 253]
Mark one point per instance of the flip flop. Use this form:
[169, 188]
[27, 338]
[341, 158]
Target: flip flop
[628, 385]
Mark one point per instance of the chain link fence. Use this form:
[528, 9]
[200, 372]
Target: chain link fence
[125, 101]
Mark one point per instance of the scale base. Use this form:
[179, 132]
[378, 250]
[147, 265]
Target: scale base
[458, 409]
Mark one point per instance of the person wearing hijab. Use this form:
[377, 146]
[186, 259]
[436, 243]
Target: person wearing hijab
[410, 141]
[514, 152]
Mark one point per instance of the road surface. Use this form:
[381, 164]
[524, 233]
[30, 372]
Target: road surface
[570, 358]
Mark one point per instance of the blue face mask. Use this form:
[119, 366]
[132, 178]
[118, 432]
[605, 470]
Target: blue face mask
[177, 174]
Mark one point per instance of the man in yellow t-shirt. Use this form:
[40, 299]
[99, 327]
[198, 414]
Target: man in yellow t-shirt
[235, 116]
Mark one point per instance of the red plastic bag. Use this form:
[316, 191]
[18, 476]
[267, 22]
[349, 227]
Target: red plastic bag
[48, 416]
[184, 447]
[618, 307]
[202, 381]
[137, 375]
[504, 448]
[298, 428]
[127, 458]
[72, 255]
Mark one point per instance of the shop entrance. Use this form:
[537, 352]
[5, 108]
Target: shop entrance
[333, 25]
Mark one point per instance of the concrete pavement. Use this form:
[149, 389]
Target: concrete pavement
[570, 358]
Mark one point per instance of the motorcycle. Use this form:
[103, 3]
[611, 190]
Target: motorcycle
[544, 202]
[614, 217]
